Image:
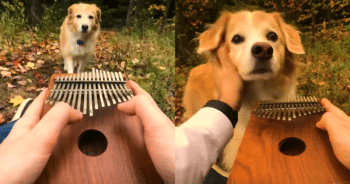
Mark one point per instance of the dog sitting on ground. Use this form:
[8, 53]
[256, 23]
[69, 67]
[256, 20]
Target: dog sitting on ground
[261, 46]
[78, 35]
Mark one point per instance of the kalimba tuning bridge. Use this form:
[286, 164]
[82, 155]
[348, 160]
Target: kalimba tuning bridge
[90, 90]
[288, 109]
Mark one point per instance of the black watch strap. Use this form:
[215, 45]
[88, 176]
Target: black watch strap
[224, 108]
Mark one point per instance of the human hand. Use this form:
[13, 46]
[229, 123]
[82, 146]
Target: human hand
[159, 131]
[337, 124]
[26, 150]
[228, 81]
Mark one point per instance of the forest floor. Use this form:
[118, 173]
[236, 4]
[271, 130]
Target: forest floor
[149, 59]
[326, 75]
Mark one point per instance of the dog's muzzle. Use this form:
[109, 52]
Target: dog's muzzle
[262, 52]
[84, 28]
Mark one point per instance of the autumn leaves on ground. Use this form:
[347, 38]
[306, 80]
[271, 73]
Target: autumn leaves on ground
[26, 67]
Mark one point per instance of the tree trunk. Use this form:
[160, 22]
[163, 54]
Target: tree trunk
[168, 4]
[139, 7]
[128, 17]
[34, 11]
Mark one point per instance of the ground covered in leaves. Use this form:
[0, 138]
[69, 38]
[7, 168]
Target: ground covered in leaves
[326, 75]
[148, 58]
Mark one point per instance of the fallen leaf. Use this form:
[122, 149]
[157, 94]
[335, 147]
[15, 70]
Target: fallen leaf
[6, 74]
[9, 85]
[4, 68]
[2, 119]
[30, 57]
[31, 65]
[162, 68]
[321, 83]
[22, 82]
[16, 100]
[31, 88]
[135, 61]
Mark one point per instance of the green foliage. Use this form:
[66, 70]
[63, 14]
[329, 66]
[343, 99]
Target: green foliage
[151, 63]
[327, 72]
[12, 22]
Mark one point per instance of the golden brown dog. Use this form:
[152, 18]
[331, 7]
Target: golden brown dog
[261, 46]
[78, 36]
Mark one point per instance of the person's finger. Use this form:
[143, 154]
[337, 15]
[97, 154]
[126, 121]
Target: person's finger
[332, 122]
[47, 131]
[325, 119]
[135, 87]
[332, 108]
[30, 118]
[128, 107]
[223, 54]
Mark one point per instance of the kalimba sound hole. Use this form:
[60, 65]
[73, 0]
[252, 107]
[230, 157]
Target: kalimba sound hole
[92, 142]
[292, 146]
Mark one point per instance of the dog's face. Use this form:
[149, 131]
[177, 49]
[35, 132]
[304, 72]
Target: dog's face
[258, 42]
[84, 17]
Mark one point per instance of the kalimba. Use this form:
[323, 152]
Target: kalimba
[107, 146]
[281, 144]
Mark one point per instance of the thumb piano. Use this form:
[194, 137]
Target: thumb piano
[106, 146]
[283, 145]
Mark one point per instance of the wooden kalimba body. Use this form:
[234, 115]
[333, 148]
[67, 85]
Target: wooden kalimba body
[107, 146]
[282, 145]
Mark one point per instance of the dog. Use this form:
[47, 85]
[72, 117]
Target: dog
[261, 46]
[78, 35]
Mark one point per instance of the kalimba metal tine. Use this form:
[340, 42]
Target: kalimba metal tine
[91, 113]
[56, 91]
[289, 112]
[114, 90]
[293, 110]
[284, 112]
[94, 87]
[78, 92]
[122, 86]
[104, 88]
[67, 89]
[62, 89]
[129, 92]
[53, 90]
[108, 89]
[71, 90]
[99, 89]
[117, 87]
[85, 94]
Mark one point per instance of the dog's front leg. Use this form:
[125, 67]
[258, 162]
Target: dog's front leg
[69, 64]
[81, 64]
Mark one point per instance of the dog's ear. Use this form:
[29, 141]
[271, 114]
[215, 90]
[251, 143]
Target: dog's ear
[293, 41]
[98, 14]
[211, 38]
[71, 11]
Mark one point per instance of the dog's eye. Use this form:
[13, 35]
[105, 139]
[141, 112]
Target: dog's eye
[237, 39]
[78, 16]
[272, 36]
[91, 17]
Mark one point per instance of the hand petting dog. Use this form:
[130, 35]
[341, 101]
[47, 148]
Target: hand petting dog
[227, 79]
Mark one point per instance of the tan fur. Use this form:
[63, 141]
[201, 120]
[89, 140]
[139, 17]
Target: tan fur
[254, 26]
[71, 31]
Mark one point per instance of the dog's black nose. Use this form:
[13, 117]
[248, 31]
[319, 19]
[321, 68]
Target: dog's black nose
[262, 51]
[85, 27]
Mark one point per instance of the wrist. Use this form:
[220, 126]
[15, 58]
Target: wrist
[233, 103]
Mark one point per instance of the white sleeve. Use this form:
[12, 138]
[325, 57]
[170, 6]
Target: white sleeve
[198, 143]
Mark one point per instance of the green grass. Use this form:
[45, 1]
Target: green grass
[150, 61]
[327, 74]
